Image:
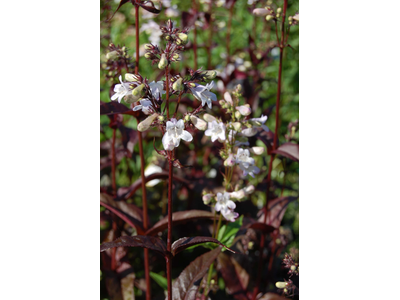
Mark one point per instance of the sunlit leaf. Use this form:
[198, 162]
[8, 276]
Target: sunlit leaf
[162, 281]
[183, 243]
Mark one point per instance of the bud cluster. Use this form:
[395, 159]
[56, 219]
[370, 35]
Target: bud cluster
[287, 286]
[290, 264]
[117, 59]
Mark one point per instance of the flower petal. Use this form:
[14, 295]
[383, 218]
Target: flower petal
[186, 136]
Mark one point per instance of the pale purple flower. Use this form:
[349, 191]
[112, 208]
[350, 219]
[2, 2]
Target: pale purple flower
[157, 88]
[216, 131]
[121, 90]
[145, 106]
[259, 122]
[243, 157]
[230, 215]
[175, 131]
[244, 110]
[223, 203]
[203, 93]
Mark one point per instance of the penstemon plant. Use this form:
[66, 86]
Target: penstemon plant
[176, 109]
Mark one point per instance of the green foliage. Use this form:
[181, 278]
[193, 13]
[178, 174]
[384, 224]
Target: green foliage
[161, 280]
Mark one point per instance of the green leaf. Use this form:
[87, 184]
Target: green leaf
[227, 233]
[162, 281]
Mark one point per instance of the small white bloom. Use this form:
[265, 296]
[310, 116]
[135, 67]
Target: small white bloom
[243, 157]
[228, 98]
[223, 203]
[259, 122]
[249, 189]
[249, 132]
[175, 131]
[203, 93]
[207, 198]
[157, 88]
[209, 118]
[152, 169]
[244, 110]
[230, 215]
[216, 131]
[230, 161]
[121, 90]
[251, 170]
[145, 106]
[257, 150]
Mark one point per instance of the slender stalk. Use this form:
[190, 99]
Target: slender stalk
[113, 181]
[195, 36]
[210, 38]
[177, 105]
[281, 42]
[142, 166]
[169, 237]
[167, 89]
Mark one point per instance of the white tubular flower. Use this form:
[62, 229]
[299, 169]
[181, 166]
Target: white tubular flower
[237, 126]
[121, 90]
[249, 189]
[260, 12]
[145, 106]
[207, 198]
[216, 131]
[259, 122]
[240, 194]
[223, 203]
[157, 88]
[230, 161]
[146, 123]
[203, 93]
[230, 215]
[198, 123]
[243, 158]
[257, 150]
[244, 110]
[209, 118]
[163, 62]
[175, 131]
[249, 132]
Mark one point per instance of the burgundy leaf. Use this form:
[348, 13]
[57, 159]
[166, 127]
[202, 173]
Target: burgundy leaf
[151, 8]
[113, 107]
[180, 217]
[187, 284]
[262, 227]
[235, 277]
[130, 213]
[276, 210]
[289, 150]
[188, 19]
[186, 242]
[142, 241]
[120, 4]
[129, 137]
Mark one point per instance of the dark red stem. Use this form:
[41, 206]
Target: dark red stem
[169, 237]
[113, 181]
[195, 35]
[142, 165]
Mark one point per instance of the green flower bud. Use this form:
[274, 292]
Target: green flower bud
[209, 74]
[269, 18]
[112, 55]
[280, 284]
[163, 62]
[183, 37]
[278, 15]
[161, 118]
[167, 37]
[148, 47]
[187, 118]
[178, 86]
[238, 88]
[176, 56]
[138, 91]
[237, 126]
[192, 84]
[148, 55]
[237, 115]
[279, 10]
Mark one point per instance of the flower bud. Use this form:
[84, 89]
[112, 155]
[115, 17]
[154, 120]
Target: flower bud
[161, 118]
[260, 12]
[278, 15]
[148, 47]
[249, 132]
[230, 161]
[237, 115]
[148, 55]
[198, 123]
[178, 86]
[163, 62]
[269, 18]
[257, 150]
[293, 267]
[280, 284]
[249, 189]
[183, 37]
[207, 198]
[112, 55]
[279, 10]
[244, 110]
[237, 126]
[209, 118]
[176, 57]
[187, 118]
[146, 123]
[131, 77]
[238, 88]
[237, 195]
[192, 84]
[209, 74]
[167, 37]
[138, 91]
[296, 17]
[222, 102]
[290, 18]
